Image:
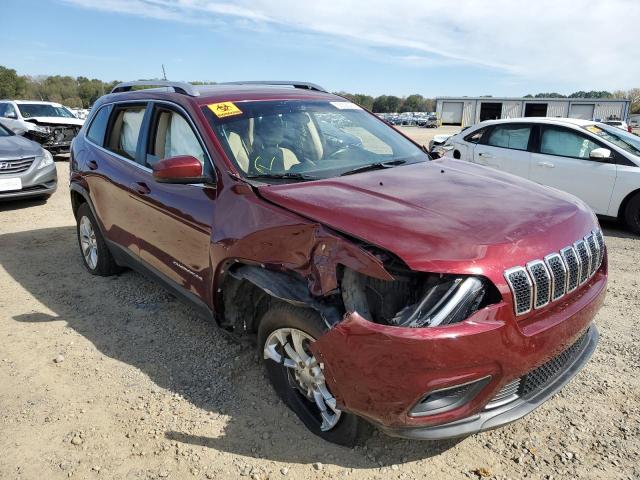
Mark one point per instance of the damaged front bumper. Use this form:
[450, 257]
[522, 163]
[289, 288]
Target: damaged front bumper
[56, 139]
[381, 372]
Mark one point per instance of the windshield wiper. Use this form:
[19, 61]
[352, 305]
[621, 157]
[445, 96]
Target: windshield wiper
[374, 166]
[283, 176]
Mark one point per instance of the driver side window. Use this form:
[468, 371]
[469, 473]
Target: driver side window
[172, 136]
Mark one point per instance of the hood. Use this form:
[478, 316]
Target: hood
[56, 120]
[15, 146]
[444, 216]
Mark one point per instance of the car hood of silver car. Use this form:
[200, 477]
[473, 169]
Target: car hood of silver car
[15, 146]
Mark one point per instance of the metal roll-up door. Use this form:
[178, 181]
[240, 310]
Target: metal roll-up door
[582, 110]
[452, 113]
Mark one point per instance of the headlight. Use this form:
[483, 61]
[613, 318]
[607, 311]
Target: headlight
[416, 300]
[47, 159]
[41, 129]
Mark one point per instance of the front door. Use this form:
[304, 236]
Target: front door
[562, 161]
[174, 228]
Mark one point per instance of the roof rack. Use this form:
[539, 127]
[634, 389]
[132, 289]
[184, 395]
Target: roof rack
[179, 87]
[302, 85]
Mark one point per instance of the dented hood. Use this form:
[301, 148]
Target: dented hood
[56, 120]
[445, 215]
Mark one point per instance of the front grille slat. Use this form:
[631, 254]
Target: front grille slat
[522, 289]
[548, 280]
[541, 283]
[19, 165]
[584, 255]
[559, 276]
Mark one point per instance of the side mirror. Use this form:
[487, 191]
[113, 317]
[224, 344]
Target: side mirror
[600, 154]
[11, 115]
[181, 169]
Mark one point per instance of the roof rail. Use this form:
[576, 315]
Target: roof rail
[179, 87]
[302, 85]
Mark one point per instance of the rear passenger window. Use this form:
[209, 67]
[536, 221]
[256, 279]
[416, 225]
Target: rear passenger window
[99, 126]
[557, 141]
[172, 136]
[125, 130]
[515, 137]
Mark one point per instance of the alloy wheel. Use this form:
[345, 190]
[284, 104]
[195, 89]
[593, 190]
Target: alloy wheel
[88, 243]
[289, 347]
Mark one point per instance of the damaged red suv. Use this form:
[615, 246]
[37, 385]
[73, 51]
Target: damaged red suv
[431, 299]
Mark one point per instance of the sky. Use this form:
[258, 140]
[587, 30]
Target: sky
[430, 47]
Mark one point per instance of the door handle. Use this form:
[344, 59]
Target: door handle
[485, 155]
[141, 188]
[546, 164]
[92, 164]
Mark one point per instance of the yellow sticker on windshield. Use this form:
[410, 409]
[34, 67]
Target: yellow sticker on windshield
[594, 129]
[224, 109]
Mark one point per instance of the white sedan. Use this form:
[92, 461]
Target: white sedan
[598, 163]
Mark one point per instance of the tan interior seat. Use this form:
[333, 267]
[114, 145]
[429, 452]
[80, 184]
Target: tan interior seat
[238, 151]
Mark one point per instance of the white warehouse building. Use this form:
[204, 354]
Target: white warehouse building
[466, 111]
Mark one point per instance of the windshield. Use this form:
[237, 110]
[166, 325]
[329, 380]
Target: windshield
[620, 138]
[296, 140]
[43, 110]
[4, 132]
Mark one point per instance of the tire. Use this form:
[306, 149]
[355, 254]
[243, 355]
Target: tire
[90, 240]
[348, 429]
[632, 214]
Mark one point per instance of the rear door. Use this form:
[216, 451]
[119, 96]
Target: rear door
[173, 221]
[111, 168]
[506, 147]
[561, 160]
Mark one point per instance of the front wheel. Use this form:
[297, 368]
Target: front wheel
[632, 214]
[284, 336]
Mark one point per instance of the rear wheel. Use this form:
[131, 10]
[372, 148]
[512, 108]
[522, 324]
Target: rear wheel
[284, 336]
[95, 253]
[632, 214]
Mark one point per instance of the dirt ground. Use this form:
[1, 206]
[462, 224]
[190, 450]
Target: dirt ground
[113, 378]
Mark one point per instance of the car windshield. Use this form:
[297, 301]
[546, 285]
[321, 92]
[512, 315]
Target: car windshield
[620, 138]
[43, 110]
[297, 140]
[4, 132]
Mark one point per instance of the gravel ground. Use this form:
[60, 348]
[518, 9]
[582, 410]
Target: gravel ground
[114, 378]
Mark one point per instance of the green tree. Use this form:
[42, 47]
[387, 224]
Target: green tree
[11, 84]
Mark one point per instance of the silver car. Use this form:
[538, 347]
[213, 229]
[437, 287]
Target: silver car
[26, 169]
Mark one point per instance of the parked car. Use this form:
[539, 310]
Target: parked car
[598, 163]
[431, 122]
[438, 141]
[431, 299]
[50, 124]
[26, 169]
[618, 124]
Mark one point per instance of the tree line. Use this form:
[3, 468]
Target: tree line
[81, 92]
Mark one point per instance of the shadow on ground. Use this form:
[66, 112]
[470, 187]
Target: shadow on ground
[132, 320]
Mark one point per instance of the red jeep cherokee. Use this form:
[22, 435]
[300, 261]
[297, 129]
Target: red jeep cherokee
[431, 299]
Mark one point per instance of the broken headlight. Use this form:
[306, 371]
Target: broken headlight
[416, 300]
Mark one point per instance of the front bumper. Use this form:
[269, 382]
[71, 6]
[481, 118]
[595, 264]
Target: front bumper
[489, 419]
[35, 183]
[380, 372]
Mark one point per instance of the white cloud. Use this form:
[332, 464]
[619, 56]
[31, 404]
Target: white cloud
[575, 42]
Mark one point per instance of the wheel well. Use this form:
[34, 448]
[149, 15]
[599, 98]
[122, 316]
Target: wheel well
[625, 202]
[76, 200]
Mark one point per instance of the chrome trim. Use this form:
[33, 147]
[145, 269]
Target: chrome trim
[592, 247]
[547, 261]
[583, 277]
[530, 266]
[507, 274]
[563, 254]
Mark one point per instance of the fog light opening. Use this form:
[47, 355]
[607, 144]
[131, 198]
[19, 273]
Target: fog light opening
[450, 398]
